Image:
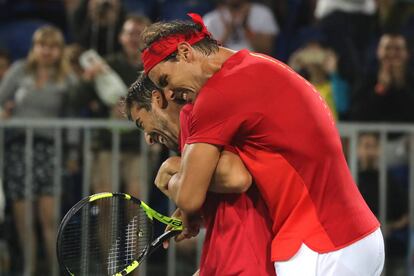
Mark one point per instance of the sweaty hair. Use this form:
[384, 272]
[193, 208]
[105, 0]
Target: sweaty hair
[160, 30]
[139, 93]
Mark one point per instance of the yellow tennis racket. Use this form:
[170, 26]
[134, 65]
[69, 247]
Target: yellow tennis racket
[109, 234]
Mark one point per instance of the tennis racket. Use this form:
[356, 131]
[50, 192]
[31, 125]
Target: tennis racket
[109, 234]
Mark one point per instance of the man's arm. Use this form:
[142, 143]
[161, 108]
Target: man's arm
[230, 175]
[189, 186]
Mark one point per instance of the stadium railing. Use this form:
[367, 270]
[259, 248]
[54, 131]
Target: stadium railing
[81, 130]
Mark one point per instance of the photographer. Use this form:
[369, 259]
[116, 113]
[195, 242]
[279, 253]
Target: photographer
[97, 24]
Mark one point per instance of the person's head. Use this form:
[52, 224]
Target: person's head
[147, 106]
[180, 49]
[392, 49]
[130, 35]
[368, 151]
[47, 51]
[4, 62]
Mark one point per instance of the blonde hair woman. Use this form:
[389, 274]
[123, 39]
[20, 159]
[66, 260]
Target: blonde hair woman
[34, 88]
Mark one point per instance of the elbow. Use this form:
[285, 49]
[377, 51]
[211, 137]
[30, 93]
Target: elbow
[244, 181]
[188, 200]
[189, 205]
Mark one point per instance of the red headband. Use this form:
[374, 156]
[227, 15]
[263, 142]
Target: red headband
[164, 47]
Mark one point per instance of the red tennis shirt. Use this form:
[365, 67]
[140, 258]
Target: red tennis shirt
[238, 229]
[287, 138]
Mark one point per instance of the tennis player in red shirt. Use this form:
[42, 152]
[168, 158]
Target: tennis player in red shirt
[238, 226]
[285, 135]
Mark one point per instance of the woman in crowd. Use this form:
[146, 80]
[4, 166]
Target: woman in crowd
[34, 88]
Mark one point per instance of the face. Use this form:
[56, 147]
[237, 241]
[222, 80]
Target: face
[158, 126]
[130, 37]
[392, 50]
[46, 53]
[368, 151]
[183, 75]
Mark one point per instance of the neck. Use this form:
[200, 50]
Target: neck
[174, 114]
[213, 63]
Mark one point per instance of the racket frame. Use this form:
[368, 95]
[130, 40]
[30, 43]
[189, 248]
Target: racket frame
[175, 224]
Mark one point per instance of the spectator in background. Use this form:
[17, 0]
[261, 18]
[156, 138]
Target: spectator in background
[388, 94]
[97, 24]
[349, 27]
[35, 88]
[396, 228]
[319, 66]
[239, 24]
[4, 63]
[128, 62]
[126, 65]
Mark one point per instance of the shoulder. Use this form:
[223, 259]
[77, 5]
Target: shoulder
[19, 66]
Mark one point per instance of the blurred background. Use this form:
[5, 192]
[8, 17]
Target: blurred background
[64, 65]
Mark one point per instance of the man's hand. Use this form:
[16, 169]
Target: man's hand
[191, 226]
[168, 168]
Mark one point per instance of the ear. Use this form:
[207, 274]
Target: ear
[185, 51]
[179, 97]
[158, 99]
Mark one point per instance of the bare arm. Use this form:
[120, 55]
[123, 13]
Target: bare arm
[230, 176]
[189, 186]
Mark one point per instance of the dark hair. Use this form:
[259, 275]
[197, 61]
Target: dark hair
[139, 93]
[159, 30]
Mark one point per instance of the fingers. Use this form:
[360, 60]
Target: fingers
[166, 244]
[190, 230]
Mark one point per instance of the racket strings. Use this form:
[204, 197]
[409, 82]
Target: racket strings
[105, 236]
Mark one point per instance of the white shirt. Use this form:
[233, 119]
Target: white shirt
[325, 7]
[260, 20]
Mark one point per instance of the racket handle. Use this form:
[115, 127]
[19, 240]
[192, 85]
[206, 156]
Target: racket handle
[166, 236]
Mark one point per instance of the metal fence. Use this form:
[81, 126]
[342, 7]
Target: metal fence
[80, 132]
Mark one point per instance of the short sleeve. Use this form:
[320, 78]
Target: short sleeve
[214, 121]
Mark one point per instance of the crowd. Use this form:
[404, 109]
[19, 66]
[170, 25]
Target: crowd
[76, 58]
